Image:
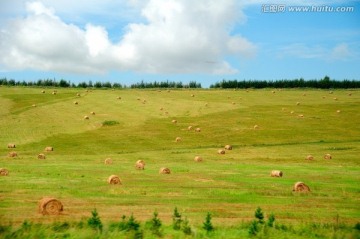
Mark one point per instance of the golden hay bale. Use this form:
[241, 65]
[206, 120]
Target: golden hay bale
[276, 173]
[221, 151]
[190, 127]
[114, 179]
[192, 95]
[327, 156]
[273, 92]
[256, 127]
[197, 130]
[338, 111]
[324, 97]
[301, 116]
[12, 154]
[335, 98]
[350, 94]
[228, 147]
[4, 172]
[34, 105]
[301, 187]
[233, 103]
[161, 108]
[11, 146]
[178, 139]
[140, 164]
[297, 103]
[174, 121]
[50, 206]
[43, 91]
[49, 148]
[108, 161]
[78, 94]
[119, 98]
[292, 112]
[86, 117]
[41, 156]
[310, 157]
[198, 159]
[164, 171]
[331, 92]
[76, 103]
[54, 92]
[92, 112]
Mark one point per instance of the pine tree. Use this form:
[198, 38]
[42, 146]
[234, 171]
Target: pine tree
[207, 225]
[176, 220]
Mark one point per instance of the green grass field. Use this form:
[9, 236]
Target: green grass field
[230, 186]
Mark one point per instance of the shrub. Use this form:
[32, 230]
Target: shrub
[253, 229]
[176, 219]
[207, 225]
[186, 228]
[109, 123]
[271, 220]
[94, 222]
[259, 215]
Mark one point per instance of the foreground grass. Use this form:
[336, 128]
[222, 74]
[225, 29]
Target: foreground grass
[230, 185]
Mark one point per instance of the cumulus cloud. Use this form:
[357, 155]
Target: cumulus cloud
[177, 37]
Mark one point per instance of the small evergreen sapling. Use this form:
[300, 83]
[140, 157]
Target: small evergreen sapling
[207, 225]
[94, 222]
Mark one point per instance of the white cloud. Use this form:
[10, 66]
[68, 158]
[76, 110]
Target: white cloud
[341, 52]
[177, 37]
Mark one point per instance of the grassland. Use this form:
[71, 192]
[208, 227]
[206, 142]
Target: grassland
[230, 186]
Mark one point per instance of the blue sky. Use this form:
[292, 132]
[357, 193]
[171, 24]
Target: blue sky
[206, 41]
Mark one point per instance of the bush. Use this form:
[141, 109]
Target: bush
[109, 123]
[176, 220]
[186, 228]
[94, 222]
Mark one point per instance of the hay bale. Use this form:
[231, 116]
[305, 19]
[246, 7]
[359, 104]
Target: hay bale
[164, 171]
[301, 116]
[161, 108]
[276, 173]
[228, 147]
[310, 157]
[54, 92]
[190, 127]
[4, 172]
[50, 206]
[41, 156]
[108, 161]
[43, 91]
[335, 98]
[49, 148]
[198, 159]
[350, 94]
[78, 94]
[140, 164]
[76, 103]
[197, 130]
[192, 95]
[119, 98]
[114, 179]
[174, 121]
[86, 117]
[92, 112]
[34, 105]
[256, 127]
[178, 139]
[12, 154]
[292, 112]
[11, 146]
[301, 187]
[297, 103]
[327, 156]
[338, 111]
[221, 151]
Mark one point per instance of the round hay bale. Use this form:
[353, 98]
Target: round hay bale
[119, 98]
[140, 164]
[297, 103]
[338, 111]
[335, 98]
[350, 94]
[198, 159]
[276, 173]
[197, 130]
[108, 161]
[310, 157]
[12, 154]
[221, 151]
[78, 94]
[174, 121]
[164, 171]
[86, 117]
[192, 95]
[114, 179]
[178, 139]
[273, 92]
[301, 187]
[50, 206]
[4, 172]
[43, 91]
[233, 103]
[49, 148]
[190, 127]
[256, 127]
[327, 156]
[41, 156]
[34, 105]
[292, 112]
[331, 92]
[54, 92]
[92, 112]
[228, 147]
[161, 108]
[11, 146]
[301, 116]
[76, 103]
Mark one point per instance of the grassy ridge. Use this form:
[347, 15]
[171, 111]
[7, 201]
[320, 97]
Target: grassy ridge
[231, 186]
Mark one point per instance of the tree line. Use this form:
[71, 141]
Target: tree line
[98, 84]
[325, 83]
